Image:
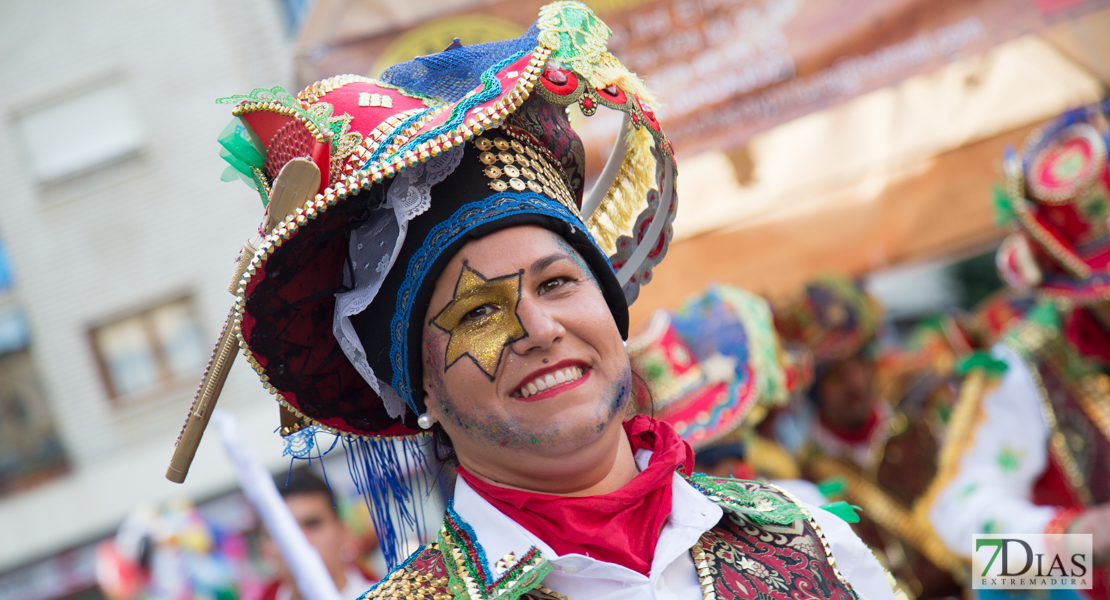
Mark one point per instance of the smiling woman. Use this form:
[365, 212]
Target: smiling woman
[549, 418]
[452, 276]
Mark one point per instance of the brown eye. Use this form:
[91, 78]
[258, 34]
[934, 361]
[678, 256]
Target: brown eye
[481, 312]
[553, 284]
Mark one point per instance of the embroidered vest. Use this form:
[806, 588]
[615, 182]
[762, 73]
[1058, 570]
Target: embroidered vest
[766, 546]
[1076, 406]
[1075, 396]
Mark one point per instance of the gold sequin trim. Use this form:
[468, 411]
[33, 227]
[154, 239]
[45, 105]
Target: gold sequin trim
[519, 167]
[409, 583]
[705, 575]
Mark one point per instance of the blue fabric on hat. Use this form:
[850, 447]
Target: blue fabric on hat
[450, 74]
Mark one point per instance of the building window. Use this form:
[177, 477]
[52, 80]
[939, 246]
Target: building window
[82, 132]
[150, 349]
[30, 451]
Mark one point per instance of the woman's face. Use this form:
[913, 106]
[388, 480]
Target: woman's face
[523, 362]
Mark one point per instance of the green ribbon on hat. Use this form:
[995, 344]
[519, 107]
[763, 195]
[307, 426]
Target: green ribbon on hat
[246, 159]
[239, 150]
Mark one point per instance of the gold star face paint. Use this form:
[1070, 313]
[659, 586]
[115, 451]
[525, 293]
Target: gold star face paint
[481, 319]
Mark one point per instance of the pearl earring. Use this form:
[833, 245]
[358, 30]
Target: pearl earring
[424, 421]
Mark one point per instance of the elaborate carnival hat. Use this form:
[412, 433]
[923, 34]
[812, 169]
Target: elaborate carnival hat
[440, 150]
[833, 317]
[1058, 195]
[715, 366]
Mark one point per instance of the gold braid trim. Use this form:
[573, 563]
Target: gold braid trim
[1037, 343]
[907, 525]
[617, 212]
[1093, 396]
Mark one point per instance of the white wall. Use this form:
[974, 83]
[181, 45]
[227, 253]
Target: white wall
[124, 236]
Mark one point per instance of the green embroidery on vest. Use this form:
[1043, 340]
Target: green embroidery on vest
[756, 502]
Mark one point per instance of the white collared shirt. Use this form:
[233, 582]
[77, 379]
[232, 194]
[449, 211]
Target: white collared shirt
[673, 575]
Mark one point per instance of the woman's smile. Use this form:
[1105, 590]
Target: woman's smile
[552, 381]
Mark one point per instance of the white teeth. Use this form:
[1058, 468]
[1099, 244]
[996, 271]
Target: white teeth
[550, 380]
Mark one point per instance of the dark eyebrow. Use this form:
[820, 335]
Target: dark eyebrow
[545, 262]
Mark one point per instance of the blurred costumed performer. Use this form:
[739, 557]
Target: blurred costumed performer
[1029, 448]
[873, 452]
[715, 368]
[451, 278]
[176, 552]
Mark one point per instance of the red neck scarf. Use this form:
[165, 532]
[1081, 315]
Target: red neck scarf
[1088, 336]
[621, 527]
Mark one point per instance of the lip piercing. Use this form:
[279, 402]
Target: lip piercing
[424, 421]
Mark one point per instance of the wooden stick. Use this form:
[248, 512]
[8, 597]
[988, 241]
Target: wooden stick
[295, 184]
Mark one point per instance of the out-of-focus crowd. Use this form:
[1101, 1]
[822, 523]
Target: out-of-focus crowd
[993, 421]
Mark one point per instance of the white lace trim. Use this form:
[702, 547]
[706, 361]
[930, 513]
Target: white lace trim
[372, 250]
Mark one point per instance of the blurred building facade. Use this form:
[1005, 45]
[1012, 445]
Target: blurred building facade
[117, 240]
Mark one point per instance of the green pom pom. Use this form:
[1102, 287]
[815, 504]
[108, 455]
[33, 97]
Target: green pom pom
[981, 360]
[849, 513]
[832, 487]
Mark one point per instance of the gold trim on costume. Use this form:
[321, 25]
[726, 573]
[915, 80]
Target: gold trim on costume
[817, 529]
[1036, 342]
